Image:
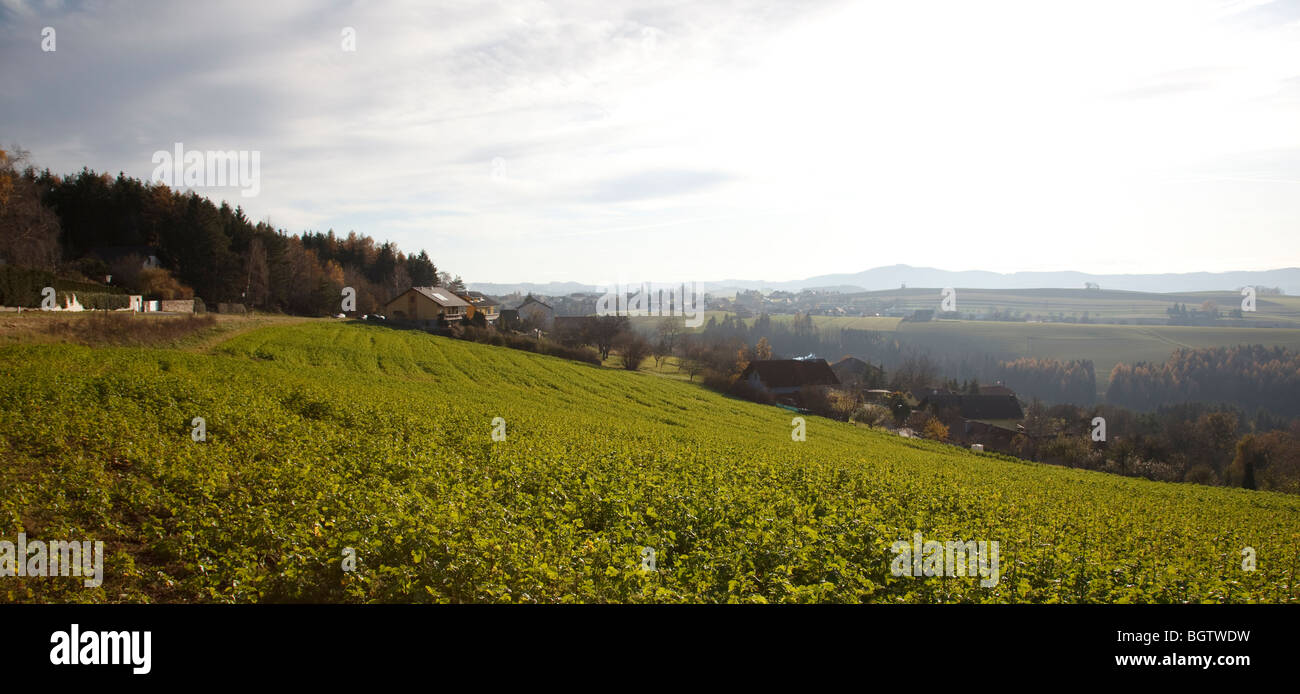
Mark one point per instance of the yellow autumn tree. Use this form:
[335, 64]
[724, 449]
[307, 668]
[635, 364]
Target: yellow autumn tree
[742, 360]
[934, 429]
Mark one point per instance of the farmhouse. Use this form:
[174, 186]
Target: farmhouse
[786, 376]
[849, 367]
[426, 306]
[987, 405]
[854, 371]
[537, 313]
[986, 418]
[984, 406]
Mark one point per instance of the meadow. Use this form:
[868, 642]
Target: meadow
[1105, 344]
[1107, 305]
[328, 436]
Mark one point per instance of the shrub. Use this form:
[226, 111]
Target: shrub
[935, 429]
[632, 350]
[1064, 449]
[842, 403]
[743, 389]
[21, 286]
[871, 415]
[99, 301]
[1201, 474]
[717, 381]
[160, 283]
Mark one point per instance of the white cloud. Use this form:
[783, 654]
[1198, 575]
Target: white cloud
[696, 140]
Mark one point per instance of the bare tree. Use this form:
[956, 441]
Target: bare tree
[602, 331]
[257, 274]
[632, 349]
[670, 331]
[915, 372]
[690, 356]
[29, 231]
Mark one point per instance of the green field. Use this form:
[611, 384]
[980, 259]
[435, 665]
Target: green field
[1100, 305]
[326, 435]
[1106, 345]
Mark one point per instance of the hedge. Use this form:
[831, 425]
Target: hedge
[21, 286]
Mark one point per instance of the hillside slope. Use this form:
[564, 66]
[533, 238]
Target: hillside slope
[324, 436]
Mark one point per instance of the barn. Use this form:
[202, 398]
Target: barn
[785, 376]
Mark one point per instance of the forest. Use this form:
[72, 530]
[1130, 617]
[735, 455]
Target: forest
[89, 226]
[1266, 377]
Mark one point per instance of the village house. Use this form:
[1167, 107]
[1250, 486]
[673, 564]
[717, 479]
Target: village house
[988, 418]
[537, 313]
[788, 376]
[425, 306]
[859, 374]
[992, 403]
[480, 303]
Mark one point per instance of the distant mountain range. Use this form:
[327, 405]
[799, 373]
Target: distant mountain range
[894, 276]
[547, 289]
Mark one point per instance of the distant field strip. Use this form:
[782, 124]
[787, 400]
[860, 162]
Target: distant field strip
[1106, 345]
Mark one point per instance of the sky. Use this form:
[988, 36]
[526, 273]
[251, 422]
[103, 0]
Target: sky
[681, 140]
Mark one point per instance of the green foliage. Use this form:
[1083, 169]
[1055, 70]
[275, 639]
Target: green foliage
[871, 415]
[327, 435]
[20, 286]
[99, 301]
[1245, 375]
[211, 248]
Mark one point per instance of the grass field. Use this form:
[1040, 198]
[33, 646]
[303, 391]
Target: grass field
[1104, 305]
[1106, 345]
[323, 436]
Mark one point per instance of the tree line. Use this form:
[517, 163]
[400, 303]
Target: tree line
[1188, 442]
[1247, 375]
[89, 226]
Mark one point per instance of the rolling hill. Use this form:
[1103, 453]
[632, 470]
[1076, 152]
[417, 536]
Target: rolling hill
[1105, 344]
[324, 437]
[894, 276]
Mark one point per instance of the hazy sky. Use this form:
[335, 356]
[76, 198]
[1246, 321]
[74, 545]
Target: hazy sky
[691, 140]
